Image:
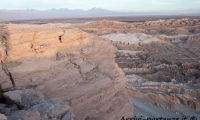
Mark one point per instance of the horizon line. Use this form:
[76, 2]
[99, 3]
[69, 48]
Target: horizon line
[122, 10]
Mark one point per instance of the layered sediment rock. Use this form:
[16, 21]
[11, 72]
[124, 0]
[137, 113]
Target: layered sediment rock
[64, 63]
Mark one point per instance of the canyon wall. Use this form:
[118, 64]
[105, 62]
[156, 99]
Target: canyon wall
[65, 63]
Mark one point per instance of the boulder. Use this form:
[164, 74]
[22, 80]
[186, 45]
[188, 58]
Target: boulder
[52, 108]
[24, 98]
[25, 115]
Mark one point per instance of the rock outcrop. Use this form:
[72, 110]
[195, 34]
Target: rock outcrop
[33, 107]
[64, 63]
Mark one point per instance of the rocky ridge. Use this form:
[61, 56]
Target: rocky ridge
[159, 26]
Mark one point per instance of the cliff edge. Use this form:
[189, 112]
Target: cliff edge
[64, 63]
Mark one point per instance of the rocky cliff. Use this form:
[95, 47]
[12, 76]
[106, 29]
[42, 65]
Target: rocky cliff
[64, 63]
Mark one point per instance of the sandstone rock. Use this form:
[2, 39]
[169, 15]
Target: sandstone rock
[25, 115]
[25, 97]
[68, 64]
[79, 68]
[3, 117]
[52, 108]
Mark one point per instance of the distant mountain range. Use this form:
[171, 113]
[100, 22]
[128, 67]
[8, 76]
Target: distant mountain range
[30, 14]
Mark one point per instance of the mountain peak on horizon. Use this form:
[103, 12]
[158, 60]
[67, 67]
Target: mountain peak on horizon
[68, 13]
[63, 9]
[95, 9]
[66, 9]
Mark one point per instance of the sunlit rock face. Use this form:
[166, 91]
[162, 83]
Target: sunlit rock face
[64, 63]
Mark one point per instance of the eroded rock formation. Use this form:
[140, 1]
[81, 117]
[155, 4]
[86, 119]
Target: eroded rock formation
[64, 63]
[171, 26]
[164, 53]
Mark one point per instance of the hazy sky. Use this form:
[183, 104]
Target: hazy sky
[138, 5]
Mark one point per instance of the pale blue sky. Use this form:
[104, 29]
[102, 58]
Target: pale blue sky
[136, 5]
